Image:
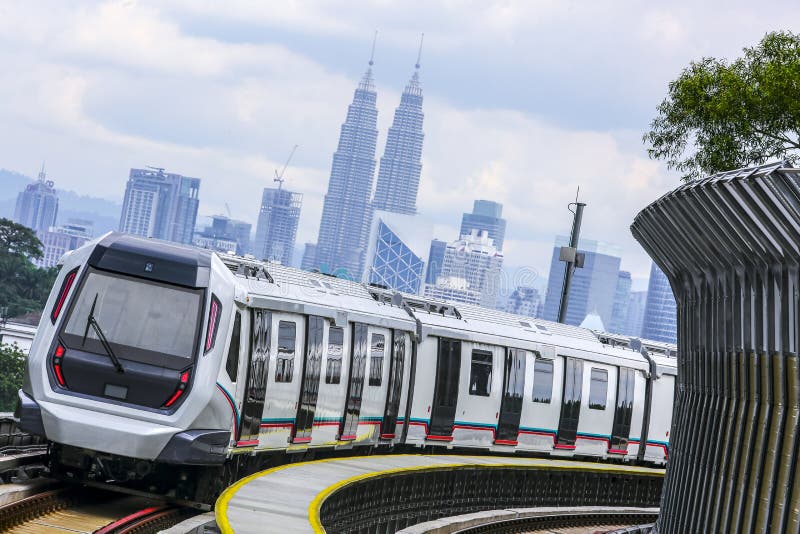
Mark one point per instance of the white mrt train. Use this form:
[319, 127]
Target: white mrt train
[173, 369]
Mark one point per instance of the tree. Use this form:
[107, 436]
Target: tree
[720, 116]
[12, 365]
[18, 239]
[24, 288]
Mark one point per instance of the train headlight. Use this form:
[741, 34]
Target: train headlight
[66, 285]
[179, 391]
[58, 357]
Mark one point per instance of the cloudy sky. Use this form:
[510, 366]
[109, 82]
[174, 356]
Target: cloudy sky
[524, 100]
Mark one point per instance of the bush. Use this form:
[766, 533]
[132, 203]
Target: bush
[12, 365]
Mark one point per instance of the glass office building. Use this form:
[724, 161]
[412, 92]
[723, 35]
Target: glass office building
[593, 288]
[37, 205]
[486, 216]
[660, 321]
[395, 253]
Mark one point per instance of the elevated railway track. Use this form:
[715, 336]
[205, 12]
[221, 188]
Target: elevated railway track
[86, 510]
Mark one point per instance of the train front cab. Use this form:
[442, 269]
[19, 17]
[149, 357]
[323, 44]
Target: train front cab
[96, 385]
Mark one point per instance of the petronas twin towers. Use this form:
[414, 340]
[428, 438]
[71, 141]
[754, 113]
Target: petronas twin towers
[349, 204]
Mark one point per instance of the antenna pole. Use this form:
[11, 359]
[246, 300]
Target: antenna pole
[570, 256]
[419, 54]
[372, 54]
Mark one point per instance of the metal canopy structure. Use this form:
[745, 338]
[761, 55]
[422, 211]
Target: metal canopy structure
[730, 246]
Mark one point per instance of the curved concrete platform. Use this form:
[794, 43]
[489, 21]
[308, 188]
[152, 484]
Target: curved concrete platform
[289, 498]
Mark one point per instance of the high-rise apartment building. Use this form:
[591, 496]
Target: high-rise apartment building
[453, 289]
[486, 215]
[401, 164]
[37, 205]
[635, 315]
[346, 211]
[161, 205]
[395, 252]
[474, 259]
[525, 301]
[660, 322]
[619, 310]
[225, 235]
[57, 241]
[593, 288]
[435, 260]
[277, 225]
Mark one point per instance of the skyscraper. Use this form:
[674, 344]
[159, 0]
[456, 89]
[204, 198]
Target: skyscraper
[435, 260]
[660, 322]
[486, 215]
[37, 205]
[474, 259]
[401, 164]
[277, 225]
[593, 287]
[619, 310]
[161, 205]
[346, 211]
[635, 315]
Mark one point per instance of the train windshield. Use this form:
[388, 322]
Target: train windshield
[142, 320]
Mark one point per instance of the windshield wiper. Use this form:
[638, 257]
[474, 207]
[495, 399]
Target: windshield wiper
[91, 321]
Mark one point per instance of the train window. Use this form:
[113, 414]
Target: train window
[333, 371]
[376, 359]
[287, 339]
[480, 374]
[598, 391]
[542, 381]
[232, 365]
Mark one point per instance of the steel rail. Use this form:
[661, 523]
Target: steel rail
[146, 517]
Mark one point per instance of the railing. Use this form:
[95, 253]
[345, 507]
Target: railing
[393, 502]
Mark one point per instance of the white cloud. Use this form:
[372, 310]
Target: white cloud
[97, 88]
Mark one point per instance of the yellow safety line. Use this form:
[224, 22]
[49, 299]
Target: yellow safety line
[221, 506]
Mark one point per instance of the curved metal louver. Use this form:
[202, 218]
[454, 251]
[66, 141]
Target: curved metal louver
[730, 246]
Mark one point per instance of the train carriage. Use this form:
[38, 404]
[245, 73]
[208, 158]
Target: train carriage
[156, 362]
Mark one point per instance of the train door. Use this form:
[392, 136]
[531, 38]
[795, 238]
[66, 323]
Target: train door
[395, 386]
[623, 411]
[570, 403]
[309, 382]
[445, 392]
[256, 382]
[513, 393]
[355, 384]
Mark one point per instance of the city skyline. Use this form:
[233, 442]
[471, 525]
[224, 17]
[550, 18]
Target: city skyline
[159, 203]
[503, 111]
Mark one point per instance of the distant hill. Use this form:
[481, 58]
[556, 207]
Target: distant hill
[103, 213]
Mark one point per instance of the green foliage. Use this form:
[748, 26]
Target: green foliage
[12, 365]
[19, 240]
[24, 287]
[720, 116]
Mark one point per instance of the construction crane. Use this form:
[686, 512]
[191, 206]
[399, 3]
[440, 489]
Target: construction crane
[279, 175]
